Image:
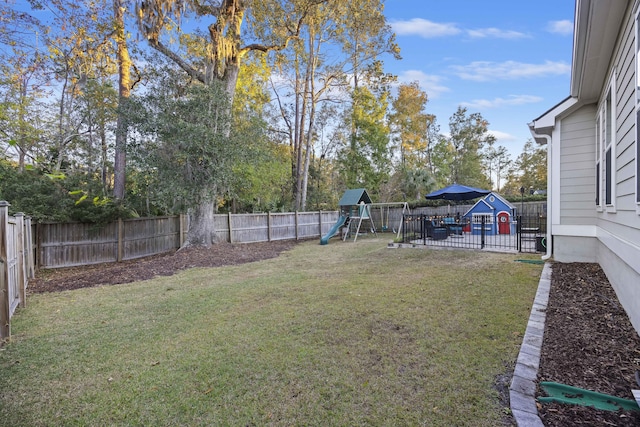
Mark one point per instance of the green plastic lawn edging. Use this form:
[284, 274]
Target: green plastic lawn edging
[577, 396]
[531, 261]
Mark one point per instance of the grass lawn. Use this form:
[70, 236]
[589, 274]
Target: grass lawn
[336, 335]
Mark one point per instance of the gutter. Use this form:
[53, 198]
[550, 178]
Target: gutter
[548, 138]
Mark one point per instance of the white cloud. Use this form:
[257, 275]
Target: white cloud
[502, 137]
[502, 102]
[431, 84]
[495, 33]
[424, 28]
[483, 71]
[564, 27]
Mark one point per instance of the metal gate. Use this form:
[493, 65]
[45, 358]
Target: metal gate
[525, 234]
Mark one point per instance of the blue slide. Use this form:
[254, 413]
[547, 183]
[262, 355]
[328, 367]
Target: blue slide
[334, 229]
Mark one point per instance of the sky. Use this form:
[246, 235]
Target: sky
[507, 60]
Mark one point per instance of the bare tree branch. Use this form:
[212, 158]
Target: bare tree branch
[192, 72]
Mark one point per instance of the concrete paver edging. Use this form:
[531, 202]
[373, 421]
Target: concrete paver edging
[523, 384]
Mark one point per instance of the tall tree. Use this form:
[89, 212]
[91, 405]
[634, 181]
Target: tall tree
[100, 105]
[124, 92]
[410, 125]
[21, 86]
[22, 83]
[217, 56]
[365, 159]
[307, 75]
[468, 135]
[496, 161]
[530, 168]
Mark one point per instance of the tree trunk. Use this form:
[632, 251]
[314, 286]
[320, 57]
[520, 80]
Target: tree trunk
[124, 90]
[201, 223]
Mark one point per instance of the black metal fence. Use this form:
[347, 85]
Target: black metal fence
[525, 234]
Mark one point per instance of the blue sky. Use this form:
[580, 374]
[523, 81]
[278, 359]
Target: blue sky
[508, 60]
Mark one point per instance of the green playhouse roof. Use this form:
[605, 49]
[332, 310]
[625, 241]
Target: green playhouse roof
[354, 197]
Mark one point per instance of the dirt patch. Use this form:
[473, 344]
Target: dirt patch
[53, 280]
[588, 340]
[588, 343]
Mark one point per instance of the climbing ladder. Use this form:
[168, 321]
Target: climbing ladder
[364, 214]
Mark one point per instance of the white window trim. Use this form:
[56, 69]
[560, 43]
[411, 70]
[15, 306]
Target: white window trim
[604, 145]
[598, 164]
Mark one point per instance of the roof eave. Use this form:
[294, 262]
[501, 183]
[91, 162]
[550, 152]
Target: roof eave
[544, 124]
[596, 27]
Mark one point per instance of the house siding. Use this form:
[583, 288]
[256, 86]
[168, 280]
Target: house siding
[618, 229]
[577, 170]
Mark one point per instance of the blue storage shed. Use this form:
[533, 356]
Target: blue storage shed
[497, 214]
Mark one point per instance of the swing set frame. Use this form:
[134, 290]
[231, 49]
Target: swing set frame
[388, 205]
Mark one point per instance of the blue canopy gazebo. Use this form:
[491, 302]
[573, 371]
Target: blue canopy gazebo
[457, 192]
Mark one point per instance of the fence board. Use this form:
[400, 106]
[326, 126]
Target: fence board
[283, 226]
[15, 247]
[149, 236]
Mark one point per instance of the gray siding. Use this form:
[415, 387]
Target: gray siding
[623, 221]
[619, 228]
[577, 170]
[623, 64]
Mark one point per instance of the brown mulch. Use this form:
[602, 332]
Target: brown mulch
[588, 340]
[62, 279]
[588, 343]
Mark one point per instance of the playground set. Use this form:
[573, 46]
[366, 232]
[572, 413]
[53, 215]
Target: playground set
[357, 214]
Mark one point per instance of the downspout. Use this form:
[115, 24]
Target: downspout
[549, 179]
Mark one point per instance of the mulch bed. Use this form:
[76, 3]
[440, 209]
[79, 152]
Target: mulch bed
[62, 279]
[588, 343]
[588, 340]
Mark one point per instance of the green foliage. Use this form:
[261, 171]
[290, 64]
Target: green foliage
[411, 124]
[469, 134]
[57, 197]
[187, 148]
[41, 197]
[366, 159]
[263, 183]
[528, 171]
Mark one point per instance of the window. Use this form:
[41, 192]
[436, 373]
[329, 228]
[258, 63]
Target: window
[482, 218]
[606, 151]
[608, 145]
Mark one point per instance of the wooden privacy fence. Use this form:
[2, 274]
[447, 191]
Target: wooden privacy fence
[16, 265]
[75, 244]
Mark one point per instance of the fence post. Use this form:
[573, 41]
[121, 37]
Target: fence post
[181, 226]
[519, 232]
[229, 223]
[120, 252]
[5, 321]
[39, 252]
[28, 238]
[320, 223]
[296, 217]
[20, 265]
[269, 226]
